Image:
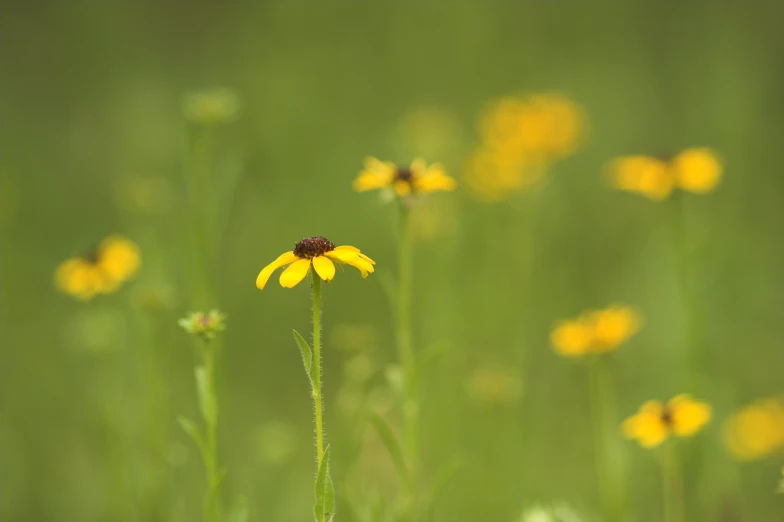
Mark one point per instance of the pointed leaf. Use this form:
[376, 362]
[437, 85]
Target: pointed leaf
[441, 479]
[329, 499]
[319, 510]
[239, 513]
[393, 447]
[307, 355]
[207, 404]
[191, 429]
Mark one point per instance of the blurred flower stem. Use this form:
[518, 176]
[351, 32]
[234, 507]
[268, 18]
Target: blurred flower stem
[212, 508]
[609, 461]
[410, 404]
[672, 484]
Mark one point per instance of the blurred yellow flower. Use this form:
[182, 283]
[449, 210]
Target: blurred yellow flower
[211, 107]
[318, 252]
[655, 421]
[404, 181]
[694, 170]
[101, 270]
[595, 331]
[521, 138]
[756, 431]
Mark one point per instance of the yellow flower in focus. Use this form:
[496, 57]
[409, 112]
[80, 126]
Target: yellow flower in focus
[318, 252]
[693, 170]
[404, 181]
[756, 431]
[101, 270]
[595, 331]
[655, 421]
[697, 170]
[211, 107]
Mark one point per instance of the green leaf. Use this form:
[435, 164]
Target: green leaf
[207, 404]
[393, 447]
[329, 499]
[320, 509]
[191, 429]
[239, 513]
[440, 479]
[307, 355]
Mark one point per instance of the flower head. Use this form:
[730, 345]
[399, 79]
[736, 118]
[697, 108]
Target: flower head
[204, 325]
[693, 170]
[655, 421]
[756, 430]
[99, 270]
[321, 254]
[403, 181]
[595, 331]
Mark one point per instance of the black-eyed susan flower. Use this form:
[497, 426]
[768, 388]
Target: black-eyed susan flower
[756, 430]
[696, 170]
[595, 331]
[100, 270]
[521, 138]
[321, 254]
[419, 178]
[656, 421]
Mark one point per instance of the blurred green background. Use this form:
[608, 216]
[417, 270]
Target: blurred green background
[90, 105]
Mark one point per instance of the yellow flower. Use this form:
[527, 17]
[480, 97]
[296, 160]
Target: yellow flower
[101, 270]
[318, 252]
[655, 421]
[697, 170]
[756, 430]
[595, 331]
[405, 181]
[693, 170]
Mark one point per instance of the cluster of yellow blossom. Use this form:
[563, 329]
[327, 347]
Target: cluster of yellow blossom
[694, 170]
[656, 421]
[101, 270]
[521, 138]
[595, 331]
[756, 430]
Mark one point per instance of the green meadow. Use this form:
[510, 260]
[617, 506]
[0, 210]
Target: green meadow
[209, 138]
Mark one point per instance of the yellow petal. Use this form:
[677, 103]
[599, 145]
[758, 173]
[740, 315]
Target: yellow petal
[295, 273]
[402, 188]
[118, 258]
[647, 425]
[266, 272]
[697, 170]
[418, 166]
[571, 338]
[370, 181]
[324, 268]
[688, 415]
[434, 179]
[351, 258]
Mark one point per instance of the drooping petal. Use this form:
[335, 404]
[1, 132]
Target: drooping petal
[295, 273]
[688, 415]
[324, 268]
[351, 258]
[266, 272]
[376, 175]
[435, 179]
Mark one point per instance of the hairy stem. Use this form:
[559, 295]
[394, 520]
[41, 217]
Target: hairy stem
[318, 408]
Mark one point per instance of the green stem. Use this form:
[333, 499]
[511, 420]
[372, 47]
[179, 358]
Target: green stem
[212, 502]
[608, 461]
[672, 484]
[317, 367]
[405, 346]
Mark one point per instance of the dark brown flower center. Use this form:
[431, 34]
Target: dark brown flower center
[311, 247]
[666, 417]
[404, 174]
[92, 255]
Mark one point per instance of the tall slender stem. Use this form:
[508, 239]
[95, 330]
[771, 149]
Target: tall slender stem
[405, 346]
[317, 367]
[212, 502]
[602, 404]
[672, 484]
